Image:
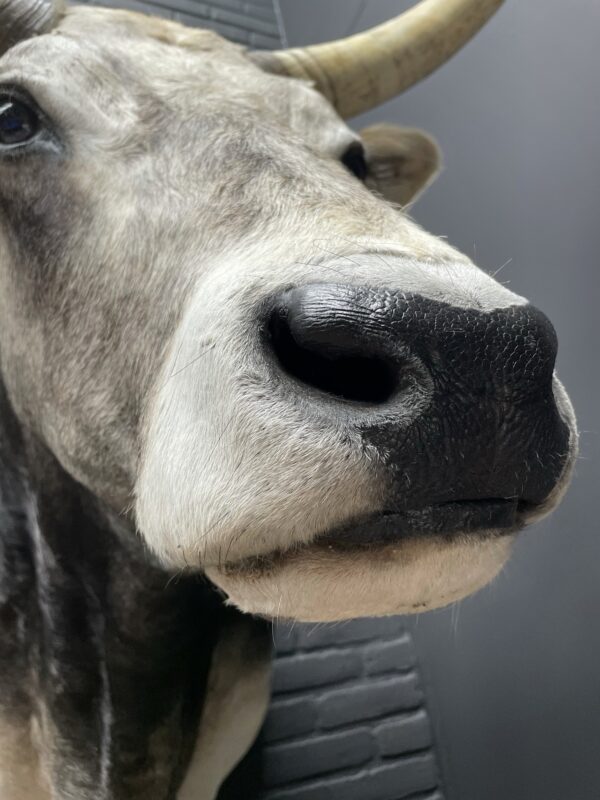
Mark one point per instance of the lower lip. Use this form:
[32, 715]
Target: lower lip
[491, 517]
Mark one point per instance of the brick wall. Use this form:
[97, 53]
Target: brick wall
[348, 719]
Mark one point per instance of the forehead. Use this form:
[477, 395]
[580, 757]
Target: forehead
[99, 58]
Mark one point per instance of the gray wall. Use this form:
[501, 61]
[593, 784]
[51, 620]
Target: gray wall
[515, 672]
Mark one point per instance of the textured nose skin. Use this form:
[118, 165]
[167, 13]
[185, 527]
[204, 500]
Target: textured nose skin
[509, 350]
[491, 427]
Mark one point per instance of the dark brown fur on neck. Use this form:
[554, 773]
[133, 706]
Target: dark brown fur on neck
[106, 651]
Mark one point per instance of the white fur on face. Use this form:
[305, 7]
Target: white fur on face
[319, 584]
[236, 465]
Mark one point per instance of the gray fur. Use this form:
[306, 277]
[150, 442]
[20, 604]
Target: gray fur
[176, 187]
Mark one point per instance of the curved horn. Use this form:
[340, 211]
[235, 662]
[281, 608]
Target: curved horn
[21, 19]
[364, 70]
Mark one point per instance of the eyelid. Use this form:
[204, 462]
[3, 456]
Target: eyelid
[20, 93]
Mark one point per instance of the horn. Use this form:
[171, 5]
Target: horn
[21, 19]
[362, 71]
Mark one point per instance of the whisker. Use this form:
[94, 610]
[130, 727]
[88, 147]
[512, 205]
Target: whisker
[190, 363]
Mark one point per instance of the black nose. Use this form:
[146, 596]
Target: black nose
[357, 343]
[328, 339]
[482, 382]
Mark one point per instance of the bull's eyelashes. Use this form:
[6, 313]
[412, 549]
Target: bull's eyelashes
[355, 161]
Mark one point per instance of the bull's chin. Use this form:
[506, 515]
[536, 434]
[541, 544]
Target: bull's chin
[325, 582]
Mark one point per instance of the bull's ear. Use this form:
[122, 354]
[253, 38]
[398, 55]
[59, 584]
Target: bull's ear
[401, 161]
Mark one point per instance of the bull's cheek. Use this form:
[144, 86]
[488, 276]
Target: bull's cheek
[324, 584]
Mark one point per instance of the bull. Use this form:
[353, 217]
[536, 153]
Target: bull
[232, 367]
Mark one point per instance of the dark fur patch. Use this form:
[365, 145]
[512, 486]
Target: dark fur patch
[103, 647]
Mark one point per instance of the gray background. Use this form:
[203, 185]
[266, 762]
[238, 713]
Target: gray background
[514, 672]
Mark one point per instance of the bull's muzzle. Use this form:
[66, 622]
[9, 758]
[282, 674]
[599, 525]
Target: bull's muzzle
[460, 404]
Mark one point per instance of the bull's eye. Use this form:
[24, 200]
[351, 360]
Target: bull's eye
[18, 122]
[355, 161]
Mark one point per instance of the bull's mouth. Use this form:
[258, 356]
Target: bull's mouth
[474, 520]
[390, 562]
[396, 562]
[493, 516]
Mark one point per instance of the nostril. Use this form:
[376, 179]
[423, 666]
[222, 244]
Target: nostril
[335, 369]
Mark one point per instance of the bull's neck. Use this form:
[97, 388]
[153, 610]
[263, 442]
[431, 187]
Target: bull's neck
[99, 648]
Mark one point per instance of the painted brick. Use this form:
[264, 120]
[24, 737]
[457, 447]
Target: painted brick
[395, 656]
[383, 701]
[315, 669]
[192, 7]
[416, 775]
[369, 700]
[259, 41]
[243, 21]
[135, 5]
[234, 34]
[360, 630]
[233, 5]
[250, 7]
[400, 780]
[290, 718]
[404, 734]
[258, 12]
[291, 762]
[286, 638]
